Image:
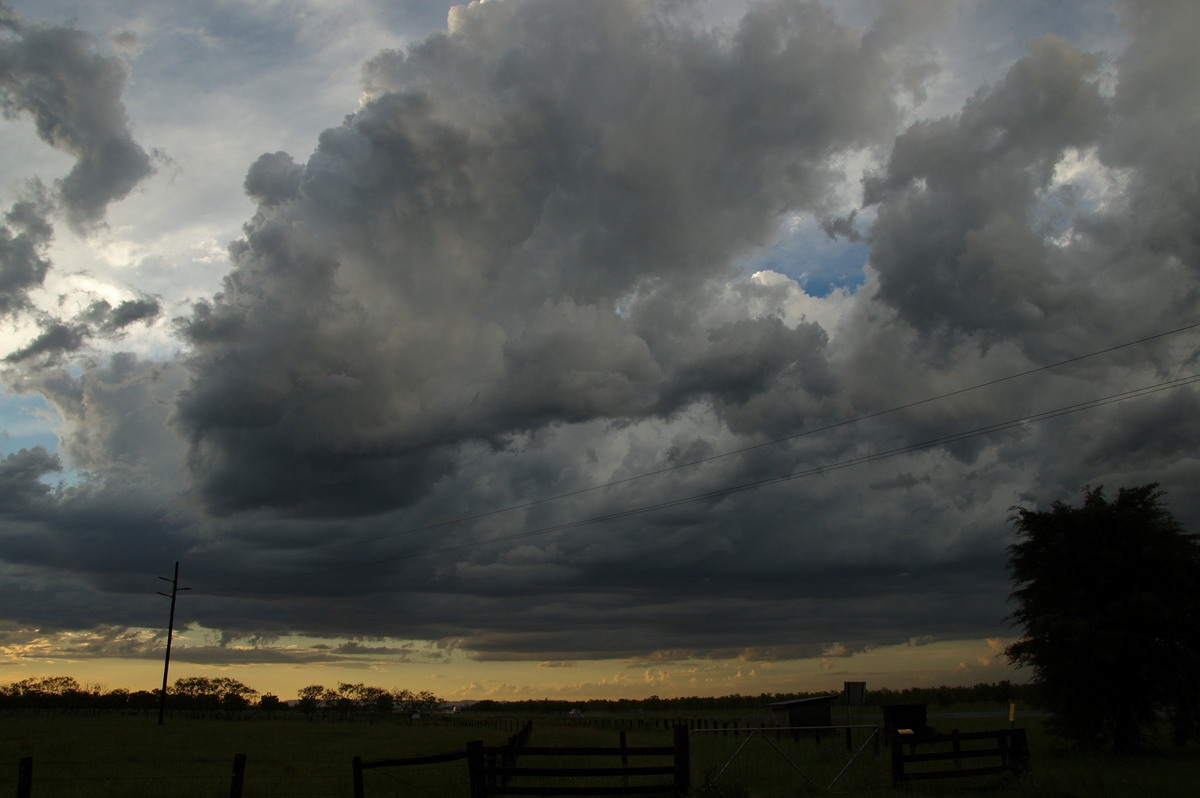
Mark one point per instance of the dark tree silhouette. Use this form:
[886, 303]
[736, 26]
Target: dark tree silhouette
[1108, 594]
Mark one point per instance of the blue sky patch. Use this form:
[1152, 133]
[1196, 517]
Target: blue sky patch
[818, 263]
[26, 422]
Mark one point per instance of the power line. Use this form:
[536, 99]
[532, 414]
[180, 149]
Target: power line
[809, 472]
[775, 441]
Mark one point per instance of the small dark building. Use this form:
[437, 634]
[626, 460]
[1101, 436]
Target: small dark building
[804, 711]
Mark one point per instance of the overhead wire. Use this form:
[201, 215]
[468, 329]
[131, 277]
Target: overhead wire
[943, 440]
[762, 444]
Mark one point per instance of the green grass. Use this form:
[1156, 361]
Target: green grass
[771, 767]
[130, 756]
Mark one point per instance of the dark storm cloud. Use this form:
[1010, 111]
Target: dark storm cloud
[956, 243]
[1155, 136]
[73, 92]
[111, 321]
[57, 76]
[23, 242]
[450, 264]
[109, 526]
[273, 178]
[515, 273]
[56, 341]
[21, 475]
[116, 418]
[59, 340]
[872, 609]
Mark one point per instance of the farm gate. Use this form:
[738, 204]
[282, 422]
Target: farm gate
[494, 770]
[1005, 750]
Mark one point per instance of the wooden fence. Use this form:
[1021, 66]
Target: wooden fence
[516, 742]
[494, 770]
[359, 766]
[25, 777]
[1008, 752]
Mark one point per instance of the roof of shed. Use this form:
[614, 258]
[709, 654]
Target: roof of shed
[797, 701]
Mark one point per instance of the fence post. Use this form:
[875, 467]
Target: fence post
[1018, 752]
[475, 767]
[25, 777]
[683, 762]
[897, 760]
[624, 756]
[880, 750]
[356, 765]
[239, 776]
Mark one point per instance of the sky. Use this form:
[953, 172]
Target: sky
[590, 349]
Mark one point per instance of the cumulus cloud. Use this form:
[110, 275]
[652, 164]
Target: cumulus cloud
[73, 92]
[498, 365]
[21, 474]
[521, 227]
[59, 340]
[956, 242]
[23, 261]
[54, 342]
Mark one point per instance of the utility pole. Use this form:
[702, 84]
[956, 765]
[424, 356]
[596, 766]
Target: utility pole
[175, 588]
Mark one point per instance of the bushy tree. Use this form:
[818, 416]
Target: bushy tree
[364, 698]
[221, 692]
[270, 703]
[310, 699]
[1108, 596]
[45, 691]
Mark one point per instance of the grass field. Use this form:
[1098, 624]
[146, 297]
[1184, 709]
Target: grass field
[130, 756]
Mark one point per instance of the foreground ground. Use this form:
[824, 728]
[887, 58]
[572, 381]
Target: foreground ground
[130, 756]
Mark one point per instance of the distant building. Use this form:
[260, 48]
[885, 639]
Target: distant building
[804, 712]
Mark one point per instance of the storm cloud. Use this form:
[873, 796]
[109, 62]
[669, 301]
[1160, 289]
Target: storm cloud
[519, 361]
[485, 250]
[56, 75]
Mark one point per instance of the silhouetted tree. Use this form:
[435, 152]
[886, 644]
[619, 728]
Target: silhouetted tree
[310, 699]
[1107, 595]
[45, 691]
[339, 700]
[210, 693]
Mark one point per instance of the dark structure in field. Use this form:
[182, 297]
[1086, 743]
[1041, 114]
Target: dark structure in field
[804, 711]
[911, 717]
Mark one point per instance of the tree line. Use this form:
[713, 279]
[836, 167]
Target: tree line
[362, 698]
[211, 694]
[998, 695]
[202, 693]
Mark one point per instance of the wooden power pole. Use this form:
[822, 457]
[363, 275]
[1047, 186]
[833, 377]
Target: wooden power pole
[175, 588]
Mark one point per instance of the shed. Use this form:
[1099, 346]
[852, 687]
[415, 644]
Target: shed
[816, 711]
